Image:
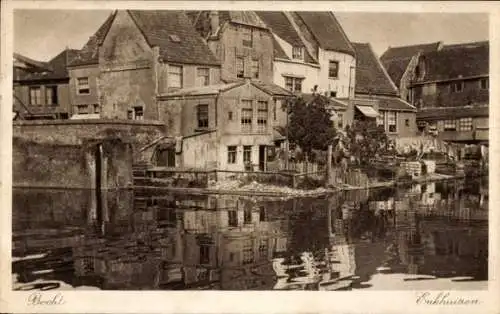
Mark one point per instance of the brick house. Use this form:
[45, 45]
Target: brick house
[312, 53]
[133, 57]
[227, 126]
[41, 89]
[401, 63]
[451, 90]
[378, 97]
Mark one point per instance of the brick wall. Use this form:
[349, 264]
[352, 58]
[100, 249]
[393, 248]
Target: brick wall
[73, 132]
[231, 48]
[52, 165]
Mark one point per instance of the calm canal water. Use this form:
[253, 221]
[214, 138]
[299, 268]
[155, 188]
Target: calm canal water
[428, 236]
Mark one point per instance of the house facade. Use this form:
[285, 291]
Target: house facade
[227, 126]
[402, 64]
[41, 89]
[135, 56]
[451, 90]
[373, 84]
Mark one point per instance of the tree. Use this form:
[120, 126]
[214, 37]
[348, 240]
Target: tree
[310, 125]
[366, 140]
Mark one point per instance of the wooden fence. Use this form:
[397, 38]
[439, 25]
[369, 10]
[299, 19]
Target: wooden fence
[202, 178]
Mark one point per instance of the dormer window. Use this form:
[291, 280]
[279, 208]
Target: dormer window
[298, 53]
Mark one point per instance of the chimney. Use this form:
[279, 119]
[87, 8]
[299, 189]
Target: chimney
[214, 22]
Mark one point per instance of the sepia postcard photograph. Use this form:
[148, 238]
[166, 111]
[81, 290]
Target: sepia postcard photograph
[260, 157]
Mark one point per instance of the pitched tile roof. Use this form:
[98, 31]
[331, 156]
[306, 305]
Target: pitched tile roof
[157, 27]
[88, 55]
[405, 52]
[455, 62]
[452, 112]
[203, 90]
[249, 18]
[34, 63]
[281, 27]
[396, 68]
[394, 103]
[272, 88]
[397, 59]
[327, 31]
[56, 67]
[371, 76]
[278, 50]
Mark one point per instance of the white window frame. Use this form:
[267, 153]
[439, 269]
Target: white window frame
[294, 81]
[330, 62]
[465, 124]
[246, 116]
[391, 114]
[175, 72]
[82, 84]
[450, 125]
[203, 76]
[298, 53]
[262, 116]
[36, 98]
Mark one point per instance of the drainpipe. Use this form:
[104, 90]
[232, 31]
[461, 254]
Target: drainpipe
[350, 80]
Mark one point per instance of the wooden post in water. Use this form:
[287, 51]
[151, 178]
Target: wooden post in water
[329, 165]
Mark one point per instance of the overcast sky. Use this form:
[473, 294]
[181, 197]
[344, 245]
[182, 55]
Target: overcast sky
[42, 34]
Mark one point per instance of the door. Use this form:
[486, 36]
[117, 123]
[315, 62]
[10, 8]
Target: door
[262, 157]
[166, 157]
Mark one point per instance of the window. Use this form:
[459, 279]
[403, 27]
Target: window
[293, 84]
[97, 108]
[465, 124]
[380, 118]
[82, 109]
[51, 95]
[262, 117]
[240, 67]
[262, 213]
[36, 96]
[175, 76]
[255, 69]
[246, 116]
[231, 154]
[450, 125]
[233, 218]
[247, 252]
[230, 116]
[485, 84]
[202, 115]
[298, 53]
[392, 122]
[333, 94]
[247, 154]
[340, 122]
[247, 36]
[247, 216]
[263, 246]
[138, 113]
[407, 122]
[204, 254]
[203, 76]
[275, 107]
[333, 69]
[458, 87]
[83, 87]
